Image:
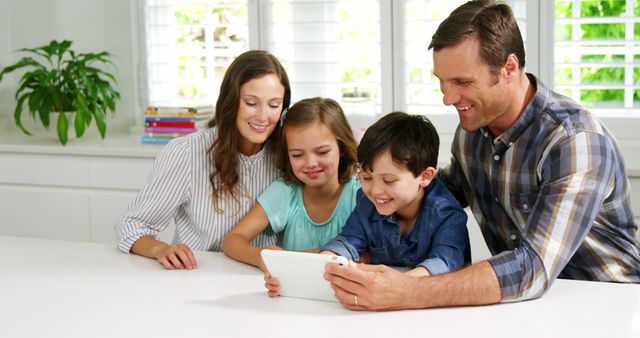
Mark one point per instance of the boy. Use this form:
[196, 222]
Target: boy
[409, 218]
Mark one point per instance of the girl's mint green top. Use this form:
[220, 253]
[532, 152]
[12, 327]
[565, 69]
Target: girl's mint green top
[284, 206]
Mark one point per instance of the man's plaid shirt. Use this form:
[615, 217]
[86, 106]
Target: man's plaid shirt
[551, 196]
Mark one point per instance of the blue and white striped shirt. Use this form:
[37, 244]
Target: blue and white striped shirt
[178, 189]
[551, 196]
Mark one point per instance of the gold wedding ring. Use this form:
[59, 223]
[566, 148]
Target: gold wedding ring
[355, 299]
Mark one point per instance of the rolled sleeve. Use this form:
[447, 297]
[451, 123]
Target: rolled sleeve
[435, 266]
[157, 203]
[341, 246]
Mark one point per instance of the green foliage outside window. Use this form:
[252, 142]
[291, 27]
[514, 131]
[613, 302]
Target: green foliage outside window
[194, 20]
[607, 68]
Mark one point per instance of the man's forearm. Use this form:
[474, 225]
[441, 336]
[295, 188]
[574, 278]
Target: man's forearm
[474, 285]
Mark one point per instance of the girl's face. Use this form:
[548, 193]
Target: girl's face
[314, 154]
[259, 111]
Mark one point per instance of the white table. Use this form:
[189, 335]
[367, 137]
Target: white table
[72, 289]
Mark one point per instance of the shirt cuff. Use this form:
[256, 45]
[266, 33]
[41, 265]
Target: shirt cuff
[126, 243]
[509, 272]
[341, 247]
[435, 266]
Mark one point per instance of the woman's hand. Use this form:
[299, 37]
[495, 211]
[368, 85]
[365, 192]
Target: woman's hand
[176, 256]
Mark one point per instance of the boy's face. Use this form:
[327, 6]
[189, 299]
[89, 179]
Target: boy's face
[392, 188]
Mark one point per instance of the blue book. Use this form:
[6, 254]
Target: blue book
[153, 139]
[168, 119]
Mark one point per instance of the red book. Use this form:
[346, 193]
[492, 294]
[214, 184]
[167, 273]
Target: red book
[170, 124]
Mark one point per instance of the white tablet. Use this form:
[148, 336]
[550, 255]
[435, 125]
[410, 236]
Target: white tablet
[300, 273]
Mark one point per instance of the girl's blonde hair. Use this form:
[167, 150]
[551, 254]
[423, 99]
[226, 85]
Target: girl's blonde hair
[328, 113]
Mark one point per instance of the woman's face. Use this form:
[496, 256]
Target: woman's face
[258, 112]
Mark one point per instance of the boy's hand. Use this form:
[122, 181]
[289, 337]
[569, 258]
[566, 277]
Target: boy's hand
[272, 284]
[418, 272]
[327, 252]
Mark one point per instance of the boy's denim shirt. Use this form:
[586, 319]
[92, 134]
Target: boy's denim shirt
[439, 240]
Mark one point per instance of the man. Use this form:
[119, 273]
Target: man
[544, 178]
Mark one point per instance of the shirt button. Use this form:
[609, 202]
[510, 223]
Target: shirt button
[495, 199]
[525, 206]
[513, 237]
[496, 157]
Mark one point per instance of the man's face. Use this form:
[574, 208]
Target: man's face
[481, 98]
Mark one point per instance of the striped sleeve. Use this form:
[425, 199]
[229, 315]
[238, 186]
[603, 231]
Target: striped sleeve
[155, 205]
[576, 177]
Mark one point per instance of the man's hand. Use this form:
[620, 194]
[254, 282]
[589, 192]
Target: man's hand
[370, 287]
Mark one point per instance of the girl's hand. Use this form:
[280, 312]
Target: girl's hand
[272, 284]
[176, 256]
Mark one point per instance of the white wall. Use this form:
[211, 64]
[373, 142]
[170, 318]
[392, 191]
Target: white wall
[92, 25]
[6, 97]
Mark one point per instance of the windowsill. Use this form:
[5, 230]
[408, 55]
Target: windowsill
[114, 144]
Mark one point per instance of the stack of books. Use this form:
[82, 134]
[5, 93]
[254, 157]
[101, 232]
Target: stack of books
[162, 124]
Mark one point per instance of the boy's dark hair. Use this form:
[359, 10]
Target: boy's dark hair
[492, 23]
[411, 140]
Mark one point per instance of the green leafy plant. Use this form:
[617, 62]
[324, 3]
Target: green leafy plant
[57, 79]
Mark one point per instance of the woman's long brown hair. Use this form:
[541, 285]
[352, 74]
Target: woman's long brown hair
[223, 152]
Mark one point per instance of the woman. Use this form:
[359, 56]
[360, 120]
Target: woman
[207, 181]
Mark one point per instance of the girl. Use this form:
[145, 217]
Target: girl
[311, 203]
[207, 181]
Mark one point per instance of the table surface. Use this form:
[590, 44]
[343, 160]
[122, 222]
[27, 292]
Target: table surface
[71, 289]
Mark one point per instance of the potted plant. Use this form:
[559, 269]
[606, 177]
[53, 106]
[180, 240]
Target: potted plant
[57, 79]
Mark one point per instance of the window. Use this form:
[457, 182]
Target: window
[189, 45]
[330, 49]
[371, 55]
[597, 53]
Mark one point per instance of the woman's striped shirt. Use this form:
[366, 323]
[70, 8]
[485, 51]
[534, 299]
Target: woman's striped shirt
[178, 189]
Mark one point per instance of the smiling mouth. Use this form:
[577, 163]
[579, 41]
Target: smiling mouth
[258, 127]
[463, 108]
[313, 173]
[382, 201]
